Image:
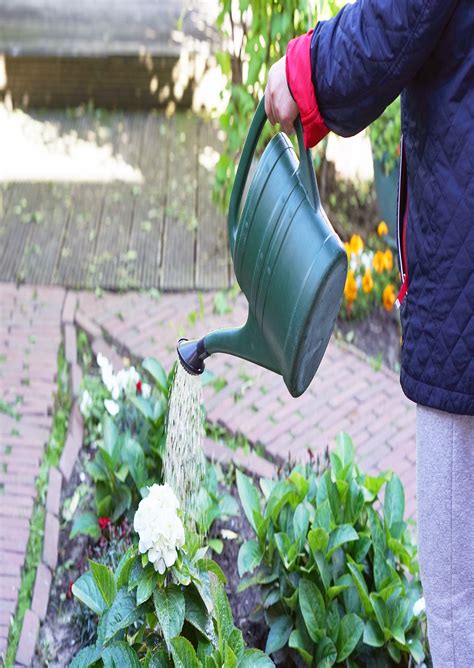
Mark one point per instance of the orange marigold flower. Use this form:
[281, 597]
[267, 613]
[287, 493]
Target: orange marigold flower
[347, 246]
[388, 257]
[350, 288]
[388, 297]
[367, 281]
[379, 262]
[382, 228]
[356, 244]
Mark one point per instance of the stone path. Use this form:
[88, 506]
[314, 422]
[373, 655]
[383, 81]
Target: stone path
[347, 393]
[30, 334]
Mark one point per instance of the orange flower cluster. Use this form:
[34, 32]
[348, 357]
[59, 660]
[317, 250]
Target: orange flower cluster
[383, 261]
[388, 297]
[350, 288]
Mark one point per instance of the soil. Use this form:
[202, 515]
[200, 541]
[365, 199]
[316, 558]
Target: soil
[377, 335]
[243, 604]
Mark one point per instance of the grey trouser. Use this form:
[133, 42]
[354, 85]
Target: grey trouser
[445, 516]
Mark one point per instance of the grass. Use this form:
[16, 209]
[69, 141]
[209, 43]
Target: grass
[35, 543]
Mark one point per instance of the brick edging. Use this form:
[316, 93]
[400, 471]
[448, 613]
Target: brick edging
[44, 572]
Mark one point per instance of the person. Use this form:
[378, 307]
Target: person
[340, 77]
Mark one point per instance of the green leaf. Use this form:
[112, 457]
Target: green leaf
[146, 585]
[254, 658]
[304, 649]
[279, 633]
[326, 653]
[248, 497]
[212, 567]
[300, 482]
[196, 612]
[124, 567]
[236, 643]
[300, 525]
[341, 534]
[86, 657]
[360, 584]
[133, 455]
[312, 608]
[155, 369]
[120, 655]
[223, 614]
[378, 606]
[86, 590]
[373, 634]
[230, 660]
[86, 523]
[394, 502]
[345, 448]
[323, 516]
[170, 610]
[318, 540]
[216, 544]
[122, 613]
[122, 502]
[250, 556]
[350, 631]
[184, 655]
[110, 437]
[416, 650]
[157, 659]
[104, 579]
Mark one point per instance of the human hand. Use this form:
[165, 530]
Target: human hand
[279, 104]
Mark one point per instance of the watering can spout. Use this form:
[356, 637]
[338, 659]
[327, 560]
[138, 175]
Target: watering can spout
[245, 342]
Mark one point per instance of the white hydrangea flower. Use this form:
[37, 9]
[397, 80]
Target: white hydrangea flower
[419, 606]
[159, 527]
[111, 406]
[146, 390]
[86, 403]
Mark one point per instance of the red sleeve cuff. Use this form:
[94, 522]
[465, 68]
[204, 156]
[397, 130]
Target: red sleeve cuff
[300, 83]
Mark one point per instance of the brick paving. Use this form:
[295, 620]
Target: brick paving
[30, 334]
[347, 393]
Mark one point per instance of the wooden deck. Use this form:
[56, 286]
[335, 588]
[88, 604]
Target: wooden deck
[117, 202]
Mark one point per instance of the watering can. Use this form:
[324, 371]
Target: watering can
[288, 261]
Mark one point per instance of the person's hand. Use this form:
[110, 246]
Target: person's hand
[279, 104]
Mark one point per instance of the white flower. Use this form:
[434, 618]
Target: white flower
[102, 361]
[146, 390]
[112, 407]
[419, 606]
[86, 403]
[127, 380]
[159, 527]
[366, 259]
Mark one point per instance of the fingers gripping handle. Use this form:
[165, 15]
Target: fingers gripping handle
[306, 171]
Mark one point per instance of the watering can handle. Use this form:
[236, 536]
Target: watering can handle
[305, 169]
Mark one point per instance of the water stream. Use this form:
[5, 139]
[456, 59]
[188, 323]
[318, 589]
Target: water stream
[184, 463]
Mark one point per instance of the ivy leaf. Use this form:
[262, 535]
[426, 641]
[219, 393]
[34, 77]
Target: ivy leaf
[170, 610]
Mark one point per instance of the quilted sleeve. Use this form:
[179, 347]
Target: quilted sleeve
[360, 60]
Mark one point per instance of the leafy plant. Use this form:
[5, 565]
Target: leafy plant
[181, 618]
[214, 504]
[255, 35]
[338, 580]
[385, 136]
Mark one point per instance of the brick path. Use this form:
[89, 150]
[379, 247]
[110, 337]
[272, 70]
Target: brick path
[30, 334]
[347, 393]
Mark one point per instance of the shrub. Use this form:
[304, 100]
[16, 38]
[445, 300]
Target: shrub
[385, 136]
[338, 580]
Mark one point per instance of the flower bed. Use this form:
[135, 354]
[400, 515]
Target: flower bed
[329, 572]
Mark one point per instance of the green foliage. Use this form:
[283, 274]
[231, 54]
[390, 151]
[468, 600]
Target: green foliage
[181, 618]
[255, 35]
[338, 580]
[385, 136]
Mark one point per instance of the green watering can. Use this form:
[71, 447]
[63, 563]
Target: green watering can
[289, 263]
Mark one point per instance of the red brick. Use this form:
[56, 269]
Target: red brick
[9, 586]
[100, 346]
[69, 308]
[51, 537]
[73, 443]
[87, 324]
[53, 497]
[76, 379]
[28, 638]
[41, 591]
[70, 343]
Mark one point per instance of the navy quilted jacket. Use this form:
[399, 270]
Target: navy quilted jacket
[360, 61]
